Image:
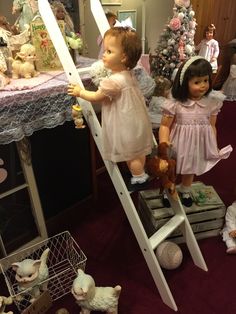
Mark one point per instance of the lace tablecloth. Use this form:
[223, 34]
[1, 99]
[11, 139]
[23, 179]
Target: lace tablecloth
[46, 105]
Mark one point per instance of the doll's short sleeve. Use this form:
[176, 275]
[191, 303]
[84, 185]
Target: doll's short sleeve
[168, 107]
[110, 88]
[216, 99]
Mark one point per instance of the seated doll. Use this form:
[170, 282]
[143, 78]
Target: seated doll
[60, 13]
[229, 230]
[161, 93]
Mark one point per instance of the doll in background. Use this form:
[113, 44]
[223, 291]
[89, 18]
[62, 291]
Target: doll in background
[60, 13]
[111, 18]
[229, 86]
[189, 123]
[209, 47]
[229, 230]
[161, 93]
[126, 128]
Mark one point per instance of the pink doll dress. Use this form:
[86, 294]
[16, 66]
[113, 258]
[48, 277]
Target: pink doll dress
[192, 135]
[126, 128]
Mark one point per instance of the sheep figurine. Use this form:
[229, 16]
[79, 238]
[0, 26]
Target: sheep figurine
[3, 302]
[23, 64]
[92, 298]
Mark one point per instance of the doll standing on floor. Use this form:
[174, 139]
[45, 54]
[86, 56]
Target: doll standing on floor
[126, 128]
[189, 124]
[229, 230]
[209, 47]
[229, 86]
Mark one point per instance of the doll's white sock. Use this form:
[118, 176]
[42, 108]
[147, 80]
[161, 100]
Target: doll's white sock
[140, 178]
[184, 188]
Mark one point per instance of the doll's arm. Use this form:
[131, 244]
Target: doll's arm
[76, 90]
[213, 119]
[164, 130]
[216, 51]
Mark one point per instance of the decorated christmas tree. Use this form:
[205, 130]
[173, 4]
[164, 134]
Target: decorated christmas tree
[176, 43]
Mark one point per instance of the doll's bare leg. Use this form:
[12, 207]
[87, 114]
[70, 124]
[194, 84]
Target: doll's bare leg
[136, 166]
[185, 189]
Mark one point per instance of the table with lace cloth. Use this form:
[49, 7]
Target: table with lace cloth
[26, 106]
[46, 105]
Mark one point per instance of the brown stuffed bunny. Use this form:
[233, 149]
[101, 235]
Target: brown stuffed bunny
[163, 167]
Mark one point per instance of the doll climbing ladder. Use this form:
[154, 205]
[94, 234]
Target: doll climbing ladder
[179, 220]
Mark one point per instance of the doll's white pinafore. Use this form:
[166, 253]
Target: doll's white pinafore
[126, 128]
[209, 49]
[192, 135]
[229, 86]
[230, 225]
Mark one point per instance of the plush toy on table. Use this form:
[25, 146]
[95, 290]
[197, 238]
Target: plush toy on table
[209, 47]
[3, 302]
[92, 298]
[23, 65]
[32, 274]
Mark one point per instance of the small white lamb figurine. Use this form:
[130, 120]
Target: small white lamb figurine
[30, 273]
[23, 64]
[92, 298]
[3, 302]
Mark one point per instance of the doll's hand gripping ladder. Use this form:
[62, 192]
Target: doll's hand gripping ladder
[147, 245]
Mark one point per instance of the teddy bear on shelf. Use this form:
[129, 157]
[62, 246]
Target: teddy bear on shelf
[77, 116]
[163, 167]
[92, 298]
[3, 302]
[23, 64]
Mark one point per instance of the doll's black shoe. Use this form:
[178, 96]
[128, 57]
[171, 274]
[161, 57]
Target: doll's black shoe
[186, 199]
[165, 201]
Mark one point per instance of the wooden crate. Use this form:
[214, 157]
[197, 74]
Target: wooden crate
[206, 219]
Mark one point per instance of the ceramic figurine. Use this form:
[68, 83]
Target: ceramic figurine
[92, 298]
[3, 302]
[77, 116]
[23, 64]
[30, 273]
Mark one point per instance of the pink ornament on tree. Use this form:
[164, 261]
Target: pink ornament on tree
[175, 24]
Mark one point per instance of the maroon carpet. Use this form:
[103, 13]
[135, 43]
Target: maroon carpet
[114, 256]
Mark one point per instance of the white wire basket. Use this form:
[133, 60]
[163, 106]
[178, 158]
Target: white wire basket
[64, 259]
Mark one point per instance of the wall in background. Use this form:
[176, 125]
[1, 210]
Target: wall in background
[157, 14]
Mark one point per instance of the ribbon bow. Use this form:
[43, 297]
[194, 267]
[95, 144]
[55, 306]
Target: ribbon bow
[126, 23]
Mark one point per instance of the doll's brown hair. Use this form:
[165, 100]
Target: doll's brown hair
[162, 86]
[130, 42]
[210, 28]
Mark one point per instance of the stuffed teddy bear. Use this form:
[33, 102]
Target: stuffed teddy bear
[163, 166]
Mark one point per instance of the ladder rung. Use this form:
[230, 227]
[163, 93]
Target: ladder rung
[14, 190]
[165, 230]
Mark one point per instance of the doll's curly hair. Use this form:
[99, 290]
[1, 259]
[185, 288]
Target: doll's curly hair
[162, 86]
[210, 28]
[130, 42]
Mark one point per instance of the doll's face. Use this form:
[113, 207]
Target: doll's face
[60, 14]
[209, 35]
[198, 87]
[113, 57]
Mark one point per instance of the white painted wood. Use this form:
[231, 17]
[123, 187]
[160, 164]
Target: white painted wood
[112, 168]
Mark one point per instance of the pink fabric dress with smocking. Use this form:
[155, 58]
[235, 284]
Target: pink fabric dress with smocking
[192, 135]
[126, 128]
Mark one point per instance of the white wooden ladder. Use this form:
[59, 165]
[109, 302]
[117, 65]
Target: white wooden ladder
[147, 245]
